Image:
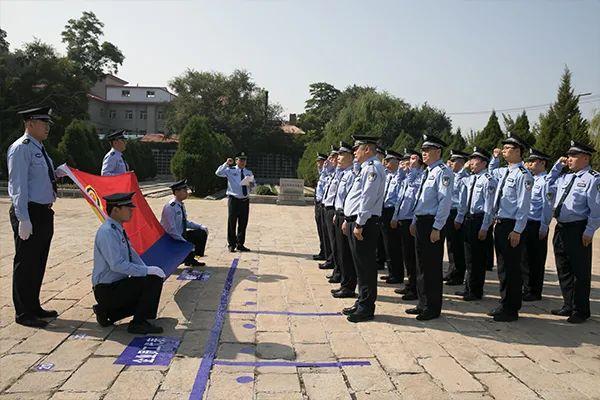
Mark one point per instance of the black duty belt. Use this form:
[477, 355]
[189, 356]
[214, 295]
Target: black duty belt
[329, 208]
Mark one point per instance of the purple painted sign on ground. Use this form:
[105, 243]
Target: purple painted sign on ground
[44, 367]
[193, 275]
[149, 350]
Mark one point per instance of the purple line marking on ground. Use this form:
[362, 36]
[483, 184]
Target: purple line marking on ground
[249, 326]
[253, 278]
[250, 303]
[250, 289]
[333, 364]
[244, 379]
[210, 349]
[296, 314]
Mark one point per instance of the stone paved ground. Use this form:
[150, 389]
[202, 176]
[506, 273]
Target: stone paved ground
[462, 355]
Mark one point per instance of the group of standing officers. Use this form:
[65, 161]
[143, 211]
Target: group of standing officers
[374, 204]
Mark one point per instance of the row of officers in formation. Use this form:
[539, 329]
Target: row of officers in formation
[123, 284]
[374, 205]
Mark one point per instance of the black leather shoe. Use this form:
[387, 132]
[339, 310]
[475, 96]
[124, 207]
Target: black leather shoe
[359, 317]
[446, 278]
[349, 310]
[576, 318]
[344, 294]
[414, 311]
[335, 290]
[329, 276]
[531, 297]
[318, 257]
[46, 313]
[394, 281]
[471, 297]
[496, 311]
[426, 316]
[32, 322]
[380, 266]
[461, 293]
[194, 263]
[242, 248]
[231, 249]
[401, 290]
[454, 282]
[410, 296]
[335, 279]
[143, 328]
[562, 312]
[326, 266]
[101, 316]
[384, 277]
[506, 317]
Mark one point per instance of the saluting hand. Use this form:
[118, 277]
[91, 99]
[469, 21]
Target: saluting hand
[358, 233]
[586, 240]
[229, 161]
[514, 238]
[497, 152]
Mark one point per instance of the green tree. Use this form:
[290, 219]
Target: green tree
[520, 127]
[200, 150]
[4, 46]
[92, 57]
[81, 147]
[562, 122]
[490, 136]
[319, 108]
[140, 159]
[595, 137]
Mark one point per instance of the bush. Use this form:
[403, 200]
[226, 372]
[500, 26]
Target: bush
[81, 148]
[265, 190]
[140, 159]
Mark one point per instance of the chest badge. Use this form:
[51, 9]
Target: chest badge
[445, 180]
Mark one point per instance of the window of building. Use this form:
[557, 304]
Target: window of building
[112, 114]
[160, 115]
[128, 114]
[125, 93]
[150, 93]
[143, 114]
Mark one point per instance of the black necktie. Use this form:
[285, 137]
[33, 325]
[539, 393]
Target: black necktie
[387, 187]
[125, 162]
[421, 188]
[497, 204]
[128, 246]
[244, 187]
[563, 197]
[471, 194]
[328, 186]
[50, 170]
[183, 218]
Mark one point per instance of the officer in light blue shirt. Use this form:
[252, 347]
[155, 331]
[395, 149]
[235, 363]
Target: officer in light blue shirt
[475, 216]
[403, 215]
[577, 212]
[123, 285]
[329, 173]
[32, 190]
[455, 239]
[320, 161]
[240, 182]
[362, 211]
[175, 222]
[391, 236]
[328, 214]
[511, 208]
[113, 162]
[432, 207]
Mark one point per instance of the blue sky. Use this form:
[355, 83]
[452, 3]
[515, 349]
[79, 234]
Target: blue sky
[460, 56]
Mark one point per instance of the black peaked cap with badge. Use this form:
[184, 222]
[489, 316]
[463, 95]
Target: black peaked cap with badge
[478, 152]
[392, 154]
[120, 199]
[321, 157]
[345, 147]
[580, 148]
[39, 114]
[363, 139]
[116, 135]
[433, 141]
[333, 151]
[515, 140]
[241, 156]
[410, 152]
[182, 184]
[458, 155]
[535, 154]
[381, 150]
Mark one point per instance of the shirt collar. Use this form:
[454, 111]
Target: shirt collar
[583, 171]
[517, 165]
[116, 151]
[483, 171]
[114, 221]
[367, 161]
[176, 201]
[34, 140]
[543, 173]
[435, 164]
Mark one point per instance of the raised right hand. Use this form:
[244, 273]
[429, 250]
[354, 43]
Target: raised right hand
[229, 161]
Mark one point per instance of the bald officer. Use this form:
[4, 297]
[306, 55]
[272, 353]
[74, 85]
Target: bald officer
[123, 285]
[174, 221]
[113, 162]
[362, 211]
[32, 190]
[432, 208]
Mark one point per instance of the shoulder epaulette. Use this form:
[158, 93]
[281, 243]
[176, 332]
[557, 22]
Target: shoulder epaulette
[442, 166]
[594, 173]
[172, 203]
[26, 140]
[113, 226]
[371, 162]
[487, 175]
[522, 169]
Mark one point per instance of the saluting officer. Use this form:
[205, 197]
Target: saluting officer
[432, 207]
[511, 206]
[238, 193]
[362, 211]
[402, 219]
[320, 161]
[475, 216]
[343, 255]
[123, 285]
[329, 172]
[455, 238]
[32, 190]
[381, 255]
[535, 236]
[113, 162]
[174, 221]
[329, 213]
[577, 212]
[391, 236]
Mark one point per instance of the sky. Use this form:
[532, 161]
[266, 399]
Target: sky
[459, 56]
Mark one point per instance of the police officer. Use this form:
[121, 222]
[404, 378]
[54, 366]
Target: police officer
[432, 207]
[475, 217]
[511, 206]
[238, 199]
[329, 172]
[123, 285]
[320, 161]
[391, 236]
[381, 254]
[535, 236]
[577, 212]
[32, 190]
[403, 215]
[174, 221]
[113, 162]
[329, 213]
[362, 211]
[343, 255]
[455, 239]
